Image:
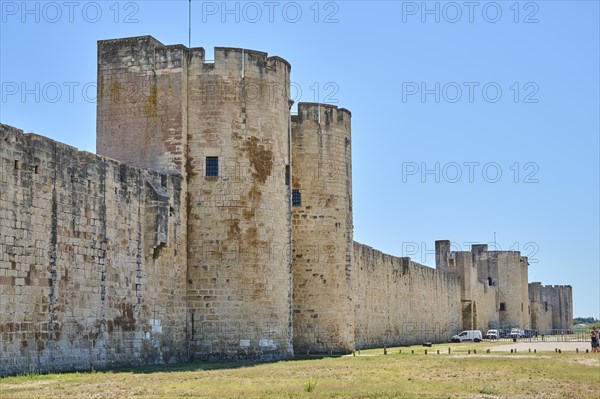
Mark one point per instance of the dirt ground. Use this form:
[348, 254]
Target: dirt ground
[544, 346]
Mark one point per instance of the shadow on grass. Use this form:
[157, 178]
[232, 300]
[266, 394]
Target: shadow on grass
[205, 365]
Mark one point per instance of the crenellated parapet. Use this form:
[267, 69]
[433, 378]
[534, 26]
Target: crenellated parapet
[323, 114]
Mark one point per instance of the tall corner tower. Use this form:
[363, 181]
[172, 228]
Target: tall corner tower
[225, 127]
[239, 228]
[322, 229]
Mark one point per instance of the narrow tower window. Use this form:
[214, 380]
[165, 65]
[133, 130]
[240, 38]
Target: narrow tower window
[212, 166]
[296, 198]
[502, 306]
[287, 175]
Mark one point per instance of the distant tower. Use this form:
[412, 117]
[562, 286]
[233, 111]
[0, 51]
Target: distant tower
[513, 288]
[225, 127]
[322, 230]
[442, 255]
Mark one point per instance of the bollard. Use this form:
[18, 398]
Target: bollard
[587, 351]
[511, 351]
[488, 351]
[576, 350]
[412, 352]
[535, 351]
[400, 351]
[515, 350]
[425, 351]
[438, 351]
[474, 351]
[529, 350]
[448, 350]
[559, 351]
[384, 350]
[555, 350]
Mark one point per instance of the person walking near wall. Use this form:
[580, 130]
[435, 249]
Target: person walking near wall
[594, 336]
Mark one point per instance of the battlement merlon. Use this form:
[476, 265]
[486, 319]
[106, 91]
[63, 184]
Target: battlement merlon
[550, 286]
[442, 254]
[326, 114]
[231, 61]
[145, 53]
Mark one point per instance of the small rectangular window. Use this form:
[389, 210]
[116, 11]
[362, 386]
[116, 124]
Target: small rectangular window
[502, 306]
[212, 166]
[296, 198]
[287, 175]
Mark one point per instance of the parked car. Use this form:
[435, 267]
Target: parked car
[517, 333]
[468, 335]
[492, 334]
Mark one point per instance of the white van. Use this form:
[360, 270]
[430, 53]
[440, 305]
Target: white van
[469, 335]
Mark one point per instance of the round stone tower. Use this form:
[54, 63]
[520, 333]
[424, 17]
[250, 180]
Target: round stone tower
[322, 229]
[224, 126]
[239, 233]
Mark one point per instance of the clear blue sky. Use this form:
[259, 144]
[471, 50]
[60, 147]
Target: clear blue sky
[468, 119]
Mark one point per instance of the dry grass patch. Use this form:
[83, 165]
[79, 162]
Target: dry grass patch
[371, 375]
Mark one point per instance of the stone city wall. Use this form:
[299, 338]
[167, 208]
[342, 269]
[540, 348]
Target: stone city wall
[92, 260]
[400, 302]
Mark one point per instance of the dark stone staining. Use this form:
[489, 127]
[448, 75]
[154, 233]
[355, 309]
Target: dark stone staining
[125, 322]
[234, 229]
[190, 171]
[261, 159]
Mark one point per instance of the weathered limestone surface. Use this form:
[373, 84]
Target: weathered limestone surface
[139, 256]
[400, 302]
[239, 265]
[551, 306]
[141, 102]
[322, 229]
[479, 298]
[495, 292]
[164, 107]
[92, 260]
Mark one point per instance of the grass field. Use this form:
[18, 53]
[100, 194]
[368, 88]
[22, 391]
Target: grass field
[369, 375]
